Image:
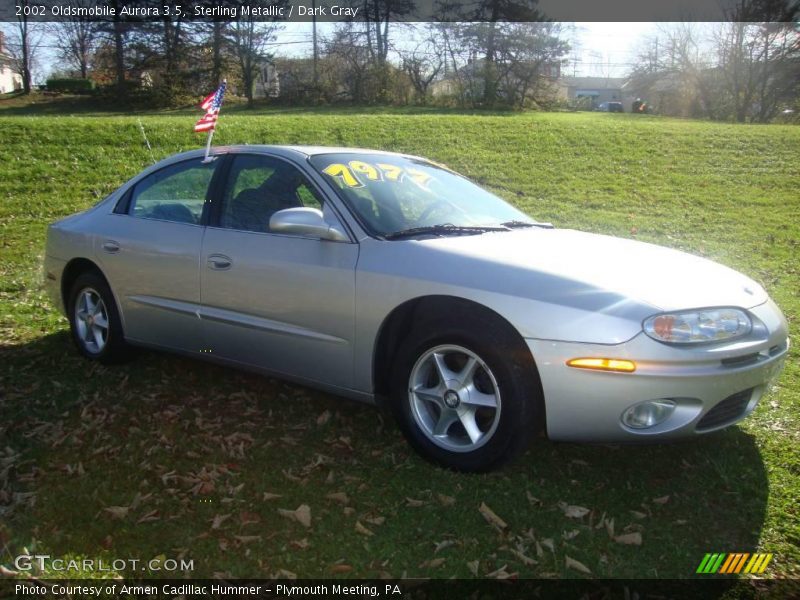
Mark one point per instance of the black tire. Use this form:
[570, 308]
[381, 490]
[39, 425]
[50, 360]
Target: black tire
[512, 370]
[113, 348]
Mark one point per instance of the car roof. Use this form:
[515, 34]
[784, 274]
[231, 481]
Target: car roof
[297, 151]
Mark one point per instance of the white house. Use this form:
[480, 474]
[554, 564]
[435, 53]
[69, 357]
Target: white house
[9, 80]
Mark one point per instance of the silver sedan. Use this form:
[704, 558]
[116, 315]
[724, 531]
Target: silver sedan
[393, 280]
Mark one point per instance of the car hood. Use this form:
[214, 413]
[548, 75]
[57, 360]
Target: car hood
[661, 277]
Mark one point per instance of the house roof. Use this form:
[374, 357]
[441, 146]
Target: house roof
[595, 83]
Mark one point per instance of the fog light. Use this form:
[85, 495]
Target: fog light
[648, 414]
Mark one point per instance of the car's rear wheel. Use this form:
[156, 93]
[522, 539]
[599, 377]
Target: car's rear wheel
[94, 320]
[464, 400]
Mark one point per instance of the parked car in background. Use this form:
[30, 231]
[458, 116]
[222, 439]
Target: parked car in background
[610, 107]
[391, 279]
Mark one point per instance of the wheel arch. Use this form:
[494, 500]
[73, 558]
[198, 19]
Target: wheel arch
[401, 320]
[74, 269]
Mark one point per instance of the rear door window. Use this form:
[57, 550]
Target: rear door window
[176, 193]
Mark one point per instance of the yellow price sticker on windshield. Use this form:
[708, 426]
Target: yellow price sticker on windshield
[391, 172]
[354, 173]
[365, 169]
[343, 174]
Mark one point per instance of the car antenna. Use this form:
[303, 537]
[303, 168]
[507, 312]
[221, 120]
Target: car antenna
[146, 141]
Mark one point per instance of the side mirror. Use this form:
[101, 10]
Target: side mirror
[307, 222]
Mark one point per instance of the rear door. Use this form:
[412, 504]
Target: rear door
[279, 302]
[150, 250]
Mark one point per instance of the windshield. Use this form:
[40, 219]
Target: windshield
[391, 194]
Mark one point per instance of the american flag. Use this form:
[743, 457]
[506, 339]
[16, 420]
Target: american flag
[211, 105]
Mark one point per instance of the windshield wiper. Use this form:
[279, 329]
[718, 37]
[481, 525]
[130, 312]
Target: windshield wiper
[515, 224]
[441, 230]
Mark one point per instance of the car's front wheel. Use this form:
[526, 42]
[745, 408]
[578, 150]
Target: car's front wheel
[465, 401]
[94, 320]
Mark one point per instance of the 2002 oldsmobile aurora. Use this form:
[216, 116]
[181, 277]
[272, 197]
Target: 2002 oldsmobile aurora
[391, 279]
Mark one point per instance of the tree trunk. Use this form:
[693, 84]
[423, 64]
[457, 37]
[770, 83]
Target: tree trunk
[119, 57]
[489, 83]
[216, 49]
[26, 58]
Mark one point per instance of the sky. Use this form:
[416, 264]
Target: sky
[606, 49]
[599, 49]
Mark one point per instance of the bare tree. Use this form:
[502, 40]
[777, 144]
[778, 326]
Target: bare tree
[760, 63]
[378, 15]
[423, 64]
[249, 40]
[218, 30]
[75, 40]
[746, 69]
[23, 45]
[346, 53]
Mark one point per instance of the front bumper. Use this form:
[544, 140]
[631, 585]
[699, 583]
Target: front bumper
[53, 270]
[586, 405]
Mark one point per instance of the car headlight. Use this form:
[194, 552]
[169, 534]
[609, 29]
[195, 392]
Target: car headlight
[698, 326]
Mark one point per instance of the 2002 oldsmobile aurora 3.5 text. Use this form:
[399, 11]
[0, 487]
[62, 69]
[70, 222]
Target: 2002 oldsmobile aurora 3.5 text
[391, 279]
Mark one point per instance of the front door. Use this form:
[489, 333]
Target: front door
[282, 303]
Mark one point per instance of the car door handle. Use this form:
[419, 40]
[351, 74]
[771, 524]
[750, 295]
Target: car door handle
[111, 246]
[219, 262]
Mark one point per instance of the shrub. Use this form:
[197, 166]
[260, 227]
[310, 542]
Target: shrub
[70, 85]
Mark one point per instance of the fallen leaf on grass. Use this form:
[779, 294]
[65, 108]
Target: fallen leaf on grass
[324, 418]
[302, 514]
[610, 527]
[631, 539]
[375, 520]
[638, 515]
[432, 564]
[219, 520]
[285, 574]
[118, 512]
[340, 569]
[532, 499]
[270, 496]
[526, 560]
[149, 517]
[571, 563]
[501, 573]
[139, 499]
[573, 511]
[414, 503]
[299, 544]
[491, 517]
[446, 500]
[247, 539]
[248, 518]
[473, 567]
[661, 500]
[363, 530]
[340, 497]
[442, 545]
[548, 543]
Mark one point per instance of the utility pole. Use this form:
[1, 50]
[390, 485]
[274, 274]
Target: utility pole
[314, 36]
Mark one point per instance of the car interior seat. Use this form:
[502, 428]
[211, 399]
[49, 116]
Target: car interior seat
[252, 208]
[172, 211]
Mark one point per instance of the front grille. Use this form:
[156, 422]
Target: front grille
[727, 411]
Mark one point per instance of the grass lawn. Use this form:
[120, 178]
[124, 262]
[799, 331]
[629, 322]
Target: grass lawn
[167, 456]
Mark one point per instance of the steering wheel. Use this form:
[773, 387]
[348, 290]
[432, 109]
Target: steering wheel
[438, 204]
